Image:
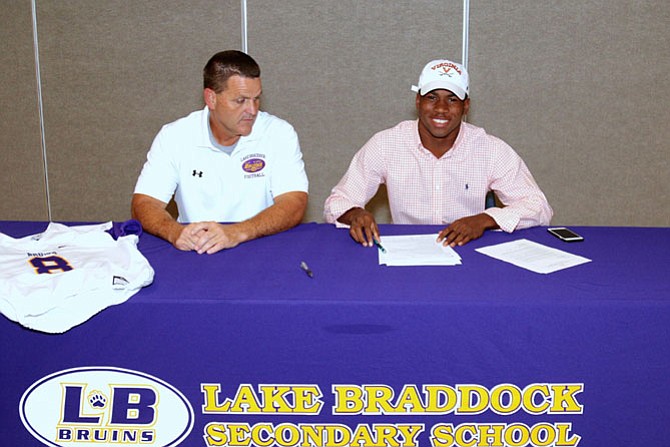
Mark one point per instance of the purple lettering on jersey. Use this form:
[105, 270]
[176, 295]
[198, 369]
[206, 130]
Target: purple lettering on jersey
[50, 264]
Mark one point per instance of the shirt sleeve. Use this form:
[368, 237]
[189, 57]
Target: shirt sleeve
[159, 176]
[289, 172]
[524, 203]
[359, 184]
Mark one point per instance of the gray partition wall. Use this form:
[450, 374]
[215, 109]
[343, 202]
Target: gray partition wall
[112, 73]
[579, 89]
[22, 179]
[341, 71]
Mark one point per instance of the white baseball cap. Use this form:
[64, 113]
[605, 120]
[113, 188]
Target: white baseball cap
[443, 74]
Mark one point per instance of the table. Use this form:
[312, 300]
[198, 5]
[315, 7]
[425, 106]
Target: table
[361, 354]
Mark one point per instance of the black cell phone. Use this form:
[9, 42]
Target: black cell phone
[565, 234]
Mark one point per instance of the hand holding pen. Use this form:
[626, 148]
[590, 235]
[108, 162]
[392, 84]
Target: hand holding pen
[362, 226]
[379, 246]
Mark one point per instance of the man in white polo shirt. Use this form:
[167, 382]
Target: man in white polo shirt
[236, 172]
[438, 170]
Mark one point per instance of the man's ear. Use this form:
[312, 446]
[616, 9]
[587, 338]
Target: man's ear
[209, 96]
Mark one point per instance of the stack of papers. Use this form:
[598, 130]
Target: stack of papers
[532, 256]
[418, 249]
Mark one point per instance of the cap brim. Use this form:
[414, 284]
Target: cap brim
[442, 84]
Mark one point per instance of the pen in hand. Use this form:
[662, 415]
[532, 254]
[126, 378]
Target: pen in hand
[379, 246]
[306, 269]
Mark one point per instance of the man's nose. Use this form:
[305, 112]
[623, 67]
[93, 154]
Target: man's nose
[252, 106]
[441, 105]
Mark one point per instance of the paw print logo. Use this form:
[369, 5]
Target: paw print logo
[97, 400]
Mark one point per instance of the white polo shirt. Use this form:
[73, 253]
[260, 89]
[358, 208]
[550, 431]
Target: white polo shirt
[210, 185]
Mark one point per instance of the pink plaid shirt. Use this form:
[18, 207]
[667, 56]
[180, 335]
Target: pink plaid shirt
[423, 189]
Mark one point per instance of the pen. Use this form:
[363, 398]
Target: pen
[306, 269]
[379, 246]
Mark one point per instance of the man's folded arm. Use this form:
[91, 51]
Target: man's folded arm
[286, 212]
[154, 217]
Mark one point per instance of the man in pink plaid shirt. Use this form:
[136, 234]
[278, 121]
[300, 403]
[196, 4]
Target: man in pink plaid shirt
[438, 170]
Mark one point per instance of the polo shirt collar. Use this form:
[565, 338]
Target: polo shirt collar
[204, 140]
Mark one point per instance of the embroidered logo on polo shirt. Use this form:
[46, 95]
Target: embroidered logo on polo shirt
[197, 173]
[253, 164]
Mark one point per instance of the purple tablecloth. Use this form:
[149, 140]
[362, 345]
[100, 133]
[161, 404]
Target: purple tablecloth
[250, 317]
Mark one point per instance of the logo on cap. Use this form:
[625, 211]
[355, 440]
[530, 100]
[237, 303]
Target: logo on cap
[446, 68]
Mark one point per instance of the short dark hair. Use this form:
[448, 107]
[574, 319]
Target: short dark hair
[228, 63]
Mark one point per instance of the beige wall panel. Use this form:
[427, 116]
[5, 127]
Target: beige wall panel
[21, 168]
[341, 71]
[113, 72]
[581, 90]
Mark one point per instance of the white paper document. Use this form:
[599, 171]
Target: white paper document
[533, 256]
[416, 249]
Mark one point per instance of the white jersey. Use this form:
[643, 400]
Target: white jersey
[55, 280]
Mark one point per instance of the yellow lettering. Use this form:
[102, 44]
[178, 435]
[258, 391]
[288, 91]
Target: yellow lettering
[564, 400]
[386, 434]
[287, 435]
[529, 394]
[274, 399]
[474, 399]
[312, 435]
[440, 398]
[379, 397]
[465, 435]
[362, 436]
[239, 434]
[563, 435]
[410, 432]
[307, 399]
[211, 404]
[262, 435]
[409, 401]
[542, 435]
[348, 399]
[441, 435]
[338, 435]
[490, 435]
[513, 395]
[245, 401]
[517, 435]
[215, 434]
[304, 399]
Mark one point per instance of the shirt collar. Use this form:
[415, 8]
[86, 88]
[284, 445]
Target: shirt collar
[203, 137]
[204, 140]
[455, 149]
